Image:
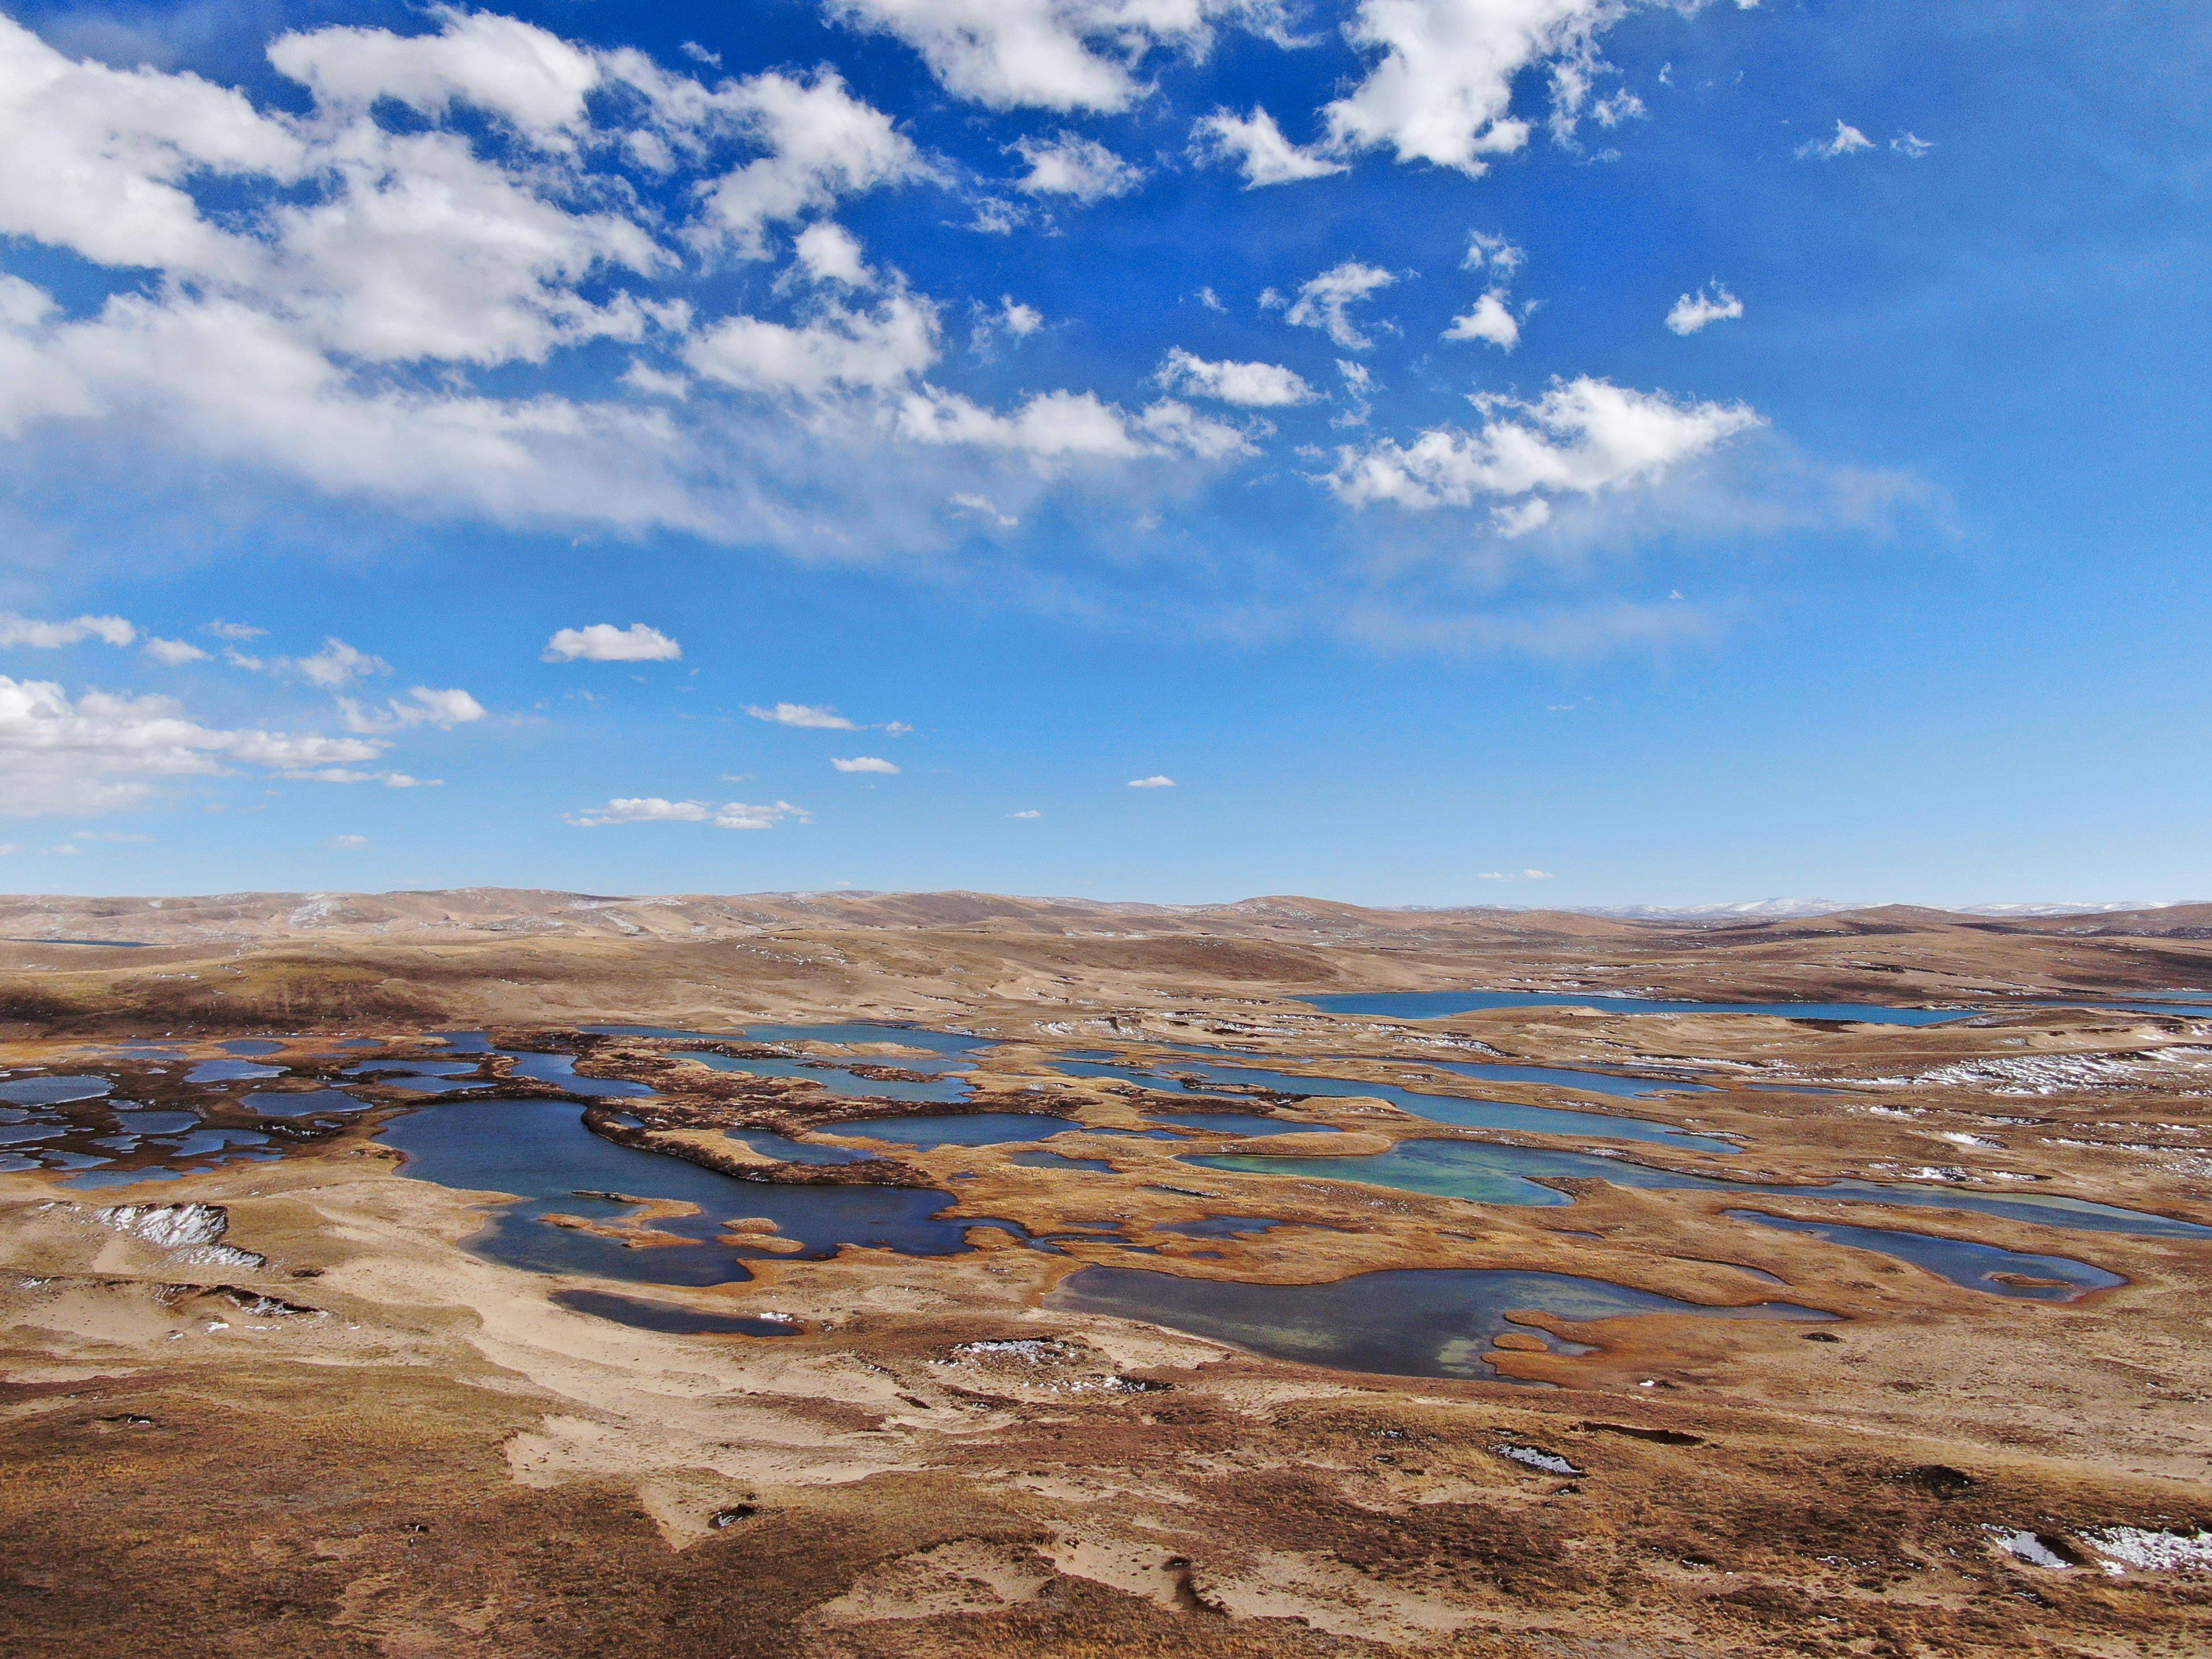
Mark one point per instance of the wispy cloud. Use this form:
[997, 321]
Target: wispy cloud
[1158, 780]
[656, 809]
[1709, 305]
[816, 716]
[866, 763]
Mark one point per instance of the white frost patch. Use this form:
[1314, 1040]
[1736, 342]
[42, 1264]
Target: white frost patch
[2026, 1547]
[1960, 1138]
[2153, 1552]
[1535, 1457]
[1037, 1350]
[2053, 1074]
[221, 1255]
[169, 1226]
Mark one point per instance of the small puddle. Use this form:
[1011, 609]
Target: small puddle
[1044, 1160]
[1419, 1322]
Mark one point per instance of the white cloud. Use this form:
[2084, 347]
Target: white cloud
[1158, 780]
[231, 630]
[345, 843]
[1515, 875]
[1709, 305]
[655, 809]
[837, 351]
[337, 664]
[605, 642]
[424, 707]
[16, 630]
[1583, 436]
[352, 774]
[983, 506]
[831, 253]
[1491, 319]
[820, 718]
[1031, 813]
[1067, 165]
[1017, 319]
[822, 142]
[1442, 90]
[175, 653]
[104, 752]
[866, 763]
[1324, 302]
[1911, 144]
[1065, 427]
[1249, 386]
[1257, 145]
[1487, 251]
[1050, 54]
[1848, 140]
[534, 80]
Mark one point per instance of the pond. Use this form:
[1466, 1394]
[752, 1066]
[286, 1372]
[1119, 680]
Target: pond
[1487, 1172]
[924, 1130]
[1420, 1321]
[1460, 1111]
[540, 1152]
[1978, 1266]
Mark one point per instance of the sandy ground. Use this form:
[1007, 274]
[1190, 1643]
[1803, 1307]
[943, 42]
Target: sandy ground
[376, 1443]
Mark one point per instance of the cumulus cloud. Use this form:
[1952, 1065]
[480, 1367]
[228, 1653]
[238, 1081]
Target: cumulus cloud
[423, 706]
[1583, 437]
[866, 763]
[830, 254]
[816, 717]
[52, 636]
[1325, 302]
[1709, 305]
[1441, 90]
[1030, 813]
[174, 654]
[605, 642]
[337, 664]
[655, 809]
[521, 73]
[822, 142]
[104, 752]
[1847, 140]
[1067, 165]
[1492, 319]
[1158, 780]
[1051, 54]
[1249, 386]
[837, 351]
[1255, 143]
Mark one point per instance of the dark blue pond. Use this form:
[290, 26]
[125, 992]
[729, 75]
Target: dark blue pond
[769, 1144]
[53, 1091]
[306, 1103]
[232, 1070]
[1978, 1266]
[839, 1081]
[1439, 1005]
[1486, 1173]
[924, 1130]
[1427, 1321]
[1221, 1226]
[1556, 1077]
[561, 1069]
[540, 1152]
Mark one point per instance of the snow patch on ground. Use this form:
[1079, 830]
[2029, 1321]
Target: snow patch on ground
[168, 1226]
[2153, 1552]
[1535, 1457]
[2053, 1074]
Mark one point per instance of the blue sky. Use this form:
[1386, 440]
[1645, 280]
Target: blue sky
[1478, 451]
